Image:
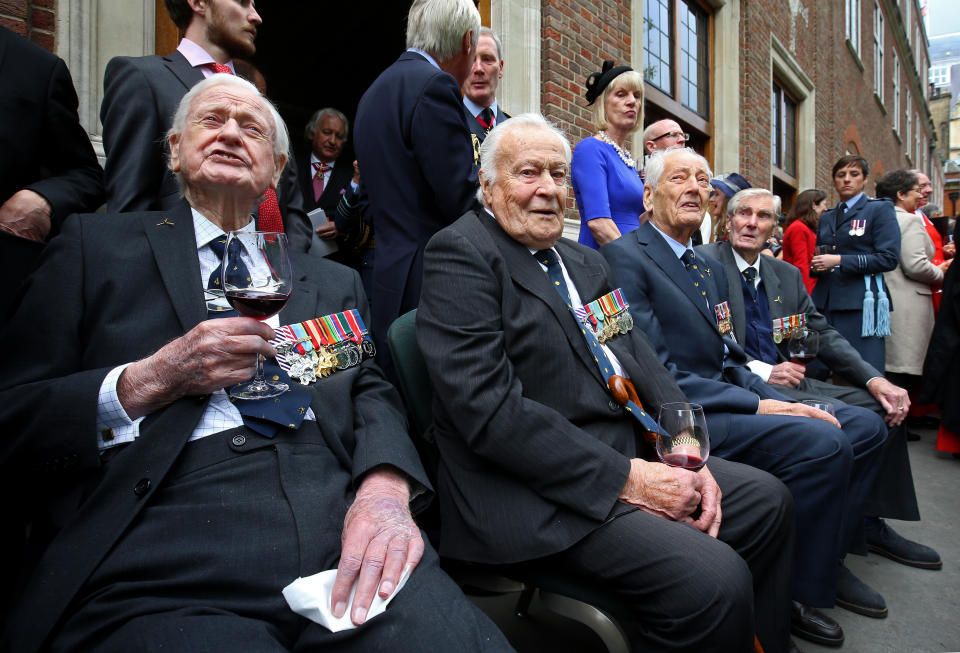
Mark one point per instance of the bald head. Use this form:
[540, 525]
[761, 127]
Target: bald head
[662, 135]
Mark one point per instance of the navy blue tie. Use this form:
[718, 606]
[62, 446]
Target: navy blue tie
[750, 277]
[689, 260]
[549, 258]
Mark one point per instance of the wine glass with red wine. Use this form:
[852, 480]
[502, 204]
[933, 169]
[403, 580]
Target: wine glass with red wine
[257, 280]
[804, 346]
[683, 440]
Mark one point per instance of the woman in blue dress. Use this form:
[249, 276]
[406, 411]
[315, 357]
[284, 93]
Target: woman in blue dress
[606, 182]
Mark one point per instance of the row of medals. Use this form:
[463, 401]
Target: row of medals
[615, 325]
[327, 359]
[789, 333]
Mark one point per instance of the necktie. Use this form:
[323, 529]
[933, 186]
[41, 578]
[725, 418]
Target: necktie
[269, 217]
[841, 209]
[265, 416]
[485, 118]
[319, 175]
[689, 260]
[549, 258]
[750, 276]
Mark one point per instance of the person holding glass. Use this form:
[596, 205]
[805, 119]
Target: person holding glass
[200, 511]
[800, 238]
[911, 322]
[606, 182]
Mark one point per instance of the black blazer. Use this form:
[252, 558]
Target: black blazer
[534, 451]
[140, 96]
[93, 305]
[416, 158]
[475, 125]
[787, 295]
[339, 180]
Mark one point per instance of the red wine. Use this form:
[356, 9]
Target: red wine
[258, 305]
[802, 358]
[687, 461]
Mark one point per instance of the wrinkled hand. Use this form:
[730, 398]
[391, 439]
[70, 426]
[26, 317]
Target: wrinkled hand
[822, 262]
[328, 231]
[670, 492]
[26, 214]
[774, 407]
[380, 540]
[894, 399]
[945, 265]
[710, 515]
[787, 373]
[212, 355]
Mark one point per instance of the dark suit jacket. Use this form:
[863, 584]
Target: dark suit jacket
[339, 180]
[534, 452]
[42, 145]
[877, 251]
[93, 305]
[140, 96]
[682, 326]
[414, 148]
[787, 295]
[475, 125]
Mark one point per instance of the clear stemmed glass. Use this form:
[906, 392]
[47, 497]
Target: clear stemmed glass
[257, 280]
[804, 346]
[683, 440]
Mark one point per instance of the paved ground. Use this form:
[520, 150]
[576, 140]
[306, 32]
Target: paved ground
[924, 605]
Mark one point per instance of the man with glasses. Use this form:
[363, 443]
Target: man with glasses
[662, 135]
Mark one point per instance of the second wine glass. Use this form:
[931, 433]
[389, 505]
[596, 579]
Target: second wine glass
[683, 440]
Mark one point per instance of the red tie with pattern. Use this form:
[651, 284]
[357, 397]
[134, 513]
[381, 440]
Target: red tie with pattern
[320, 172]
[269, 217]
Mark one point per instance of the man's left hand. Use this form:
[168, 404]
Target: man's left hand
[710, 514]
[894, 399]
[787, 373]
[380, 540]
[26, 214]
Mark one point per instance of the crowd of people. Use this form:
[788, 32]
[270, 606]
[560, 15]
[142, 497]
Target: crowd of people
[161, 514]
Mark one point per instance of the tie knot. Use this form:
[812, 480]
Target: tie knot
[221, 68]
[547, 257]
[750, 274]
[219, 246]
[688, 258]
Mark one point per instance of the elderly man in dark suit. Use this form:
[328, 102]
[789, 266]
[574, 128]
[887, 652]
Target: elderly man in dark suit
[675, 298]
[48, 169]
[778, 294]
[414, 149]
[537, 459]
[182, 515]
[480, 90]
[140, 95]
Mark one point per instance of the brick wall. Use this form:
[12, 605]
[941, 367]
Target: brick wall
[35, 19]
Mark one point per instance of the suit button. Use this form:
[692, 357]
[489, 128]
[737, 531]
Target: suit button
[239, 440]
[142, 487]
[614, 406]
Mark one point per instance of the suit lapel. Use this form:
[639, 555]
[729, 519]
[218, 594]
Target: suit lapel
[771, 285]
[303, 299]
[724, 254]
[182, 70]
[661, 254]
[851, 213]
[174, 245]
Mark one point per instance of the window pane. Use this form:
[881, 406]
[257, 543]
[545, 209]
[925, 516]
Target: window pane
[693, 54]
[657, 44]
[789, 136]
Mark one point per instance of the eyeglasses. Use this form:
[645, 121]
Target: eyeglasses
[678, 135]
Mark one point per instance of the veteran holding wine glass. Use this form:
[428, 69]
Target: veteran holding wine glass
[200, 508]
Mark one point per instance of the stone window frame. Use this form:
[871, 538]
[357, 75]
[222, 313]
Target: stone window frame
[787, 72]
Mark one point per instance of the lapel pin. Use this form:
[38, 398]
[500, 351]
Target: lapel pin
[778, 300]
[165, 223]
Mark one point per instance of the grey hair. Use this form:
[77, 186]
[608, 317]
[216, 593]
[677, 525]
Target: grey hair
[280, 137]
[747, 193]
[655, 165]
[326, 112]
[438, 26]
[486, 31]
[930, 210]
[490, 149]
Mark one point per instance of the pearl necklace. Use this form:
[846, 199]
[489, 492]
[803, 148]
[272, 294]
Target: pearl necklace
[624, 153]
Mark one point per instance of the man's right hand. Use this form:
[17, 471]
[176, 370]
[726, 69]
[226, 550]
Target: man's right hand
[211, 356]
[774, 407]
[787, 373]
[670, 492]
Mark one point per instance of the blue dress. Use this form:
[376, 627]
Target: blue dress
[605, 187]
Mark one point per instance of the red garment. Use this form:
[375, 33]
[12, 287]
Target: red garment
[937, 257]
[799, 243]
[948, 441]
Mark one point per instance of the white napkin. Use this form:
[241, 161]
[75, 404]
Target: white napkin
[310, 598]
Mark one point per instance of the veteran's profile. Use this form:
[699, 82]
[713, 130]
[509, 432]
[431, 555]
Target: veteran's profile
[538, 462]
[179, 516]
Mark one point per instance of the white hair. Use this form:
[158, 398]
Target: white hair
[747, 193]
[486, 31]
[490, 149]
[438, 26]
[655, 164]
[328, 112]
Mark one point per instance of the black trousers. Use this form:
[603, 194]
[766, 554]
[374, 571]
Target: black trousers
[239, 517]
[689, 591]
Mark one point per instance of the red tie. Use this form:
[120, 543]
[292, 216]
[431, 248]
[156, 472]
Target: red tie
[319, 175]
[269, 217]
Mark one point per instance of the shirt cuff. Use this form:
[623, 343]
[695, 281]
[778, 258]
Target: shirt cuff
[114, 426]
[761, 369]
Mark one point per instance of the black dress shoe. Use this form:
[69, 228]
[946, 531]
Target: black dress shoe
[855, 595]
[887, 542]
[811, 624]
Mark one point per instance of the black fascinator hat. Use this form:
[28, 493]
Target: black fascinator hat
[596, 82]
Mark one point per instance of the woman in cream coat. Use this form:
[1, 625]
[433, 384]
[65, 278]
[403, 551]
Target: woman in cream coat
[912, 318]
